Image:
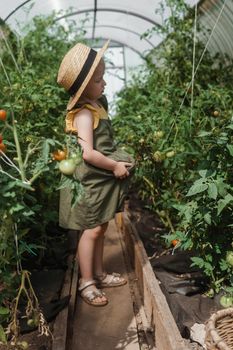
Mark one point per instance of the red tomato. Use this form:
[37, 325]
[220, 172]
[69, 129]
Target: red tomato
[2, 114]
[175, 242]
[3, 147]
[59, 155]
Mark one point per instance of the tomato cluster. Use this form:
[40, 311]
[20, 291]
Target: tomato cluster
[68, 165]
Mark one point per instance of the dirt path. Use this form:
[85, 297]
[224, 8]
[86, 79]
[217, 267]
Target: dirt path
[115, 325]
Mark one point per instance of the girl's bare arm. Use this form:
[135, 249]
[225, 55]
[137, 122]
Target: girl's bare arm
[84, 124]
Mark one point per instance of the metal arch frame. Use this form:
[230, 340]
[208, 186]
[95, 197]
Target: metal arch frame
[131, 13]
[125, 29]
[220, 41]
[111, 10]
[16, 9]
[94, 19]
[95, 10]
[121, 44]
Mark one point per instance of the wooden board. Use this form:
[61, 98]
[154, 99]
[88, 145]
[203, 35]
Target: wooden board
[62, 328]
[159, 316]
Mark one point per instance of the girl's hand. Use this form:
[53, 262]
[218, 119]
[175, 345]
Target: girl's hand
[120, 170]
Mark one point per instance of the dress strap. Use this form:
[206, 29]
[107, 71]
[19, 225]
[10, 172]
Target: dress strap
[97, 113]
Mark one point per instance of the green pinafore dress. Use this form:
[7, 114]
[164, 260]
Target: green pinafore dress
[103, 194]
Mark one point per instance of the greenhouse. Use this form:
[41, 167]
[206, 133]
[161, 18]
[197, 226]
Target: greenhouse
[116, 155]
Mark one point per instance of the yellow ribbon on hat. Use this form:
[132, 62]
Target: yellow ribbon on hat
[97, 113]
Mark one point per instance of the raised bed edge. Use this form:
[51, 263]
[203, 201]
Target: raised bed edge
[62, 327]
[166, 333]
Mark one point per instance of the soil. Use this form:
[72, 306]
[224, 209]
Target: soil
[47, 274]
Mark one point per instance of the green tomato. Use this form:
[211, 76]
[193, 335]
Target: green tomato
[24, 345]
[226, 301]
[158, 134]
[77, 158]
[30, 322]
[157, 156]
[67, 166]
[170, 154]
[229, 258]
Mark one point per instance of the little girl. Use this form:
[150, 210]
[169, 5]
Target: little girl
[103, 173]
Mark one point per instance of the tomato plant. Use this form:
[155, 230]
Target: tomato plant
[35, 103]
[183, 146]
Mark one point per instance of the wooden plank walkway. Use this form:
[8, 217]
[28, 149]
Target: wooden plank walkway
[119, 324]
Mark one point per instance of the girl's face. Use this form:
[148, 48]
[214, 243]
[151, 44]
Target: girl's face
[95, 87]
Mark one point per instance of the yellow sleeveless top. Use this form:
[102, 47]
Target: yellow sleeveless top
[97, 113]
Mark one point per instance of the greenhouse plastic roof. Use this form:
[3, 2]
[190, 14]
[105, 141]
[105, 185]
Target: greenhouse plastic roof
[122, 21]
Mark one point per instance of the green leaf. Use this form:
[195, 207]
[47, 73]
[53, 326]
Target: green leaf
[230, 149]
[230, 126]
[207, 218]
[212, 190]
[65, 182]
[25, 185]
[197, 262]
[206, 173]
[28, 213]
[16, 208]
[223, 265]
[9, 194]
[2, 335]
[222, 187]
[204, 133]
[222, 203]
[196, 188]
[4, 310]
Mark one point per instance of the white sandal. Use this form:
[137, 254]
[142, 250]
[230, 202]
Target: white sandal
[90, 296]
[110, 280]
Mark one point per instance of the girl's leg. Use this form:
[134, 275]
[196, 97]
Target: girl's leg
[85, 255]
[86, 251]
[98, 267]
[103, 278]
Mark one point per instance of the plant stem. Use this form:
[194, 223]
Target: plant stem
[9, 49]
[5, 72]
[18, 149]
[34, 177]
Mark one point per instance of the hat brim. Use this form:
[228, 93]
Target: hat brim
[74, 99]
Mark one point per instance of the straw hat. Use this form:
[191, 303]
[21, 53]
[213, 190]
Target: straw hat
[77, 68]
